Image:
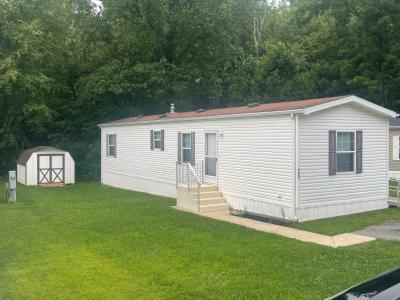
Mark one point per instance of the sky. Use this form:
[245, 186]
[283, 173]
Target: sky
[98, 3]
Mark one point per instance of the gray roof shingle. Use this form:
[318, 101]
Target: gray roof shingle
[262, 107]
[26, 154]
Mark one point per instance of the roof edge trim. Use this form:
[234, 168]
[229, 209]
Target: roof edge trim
[352, 99]
[238, 115]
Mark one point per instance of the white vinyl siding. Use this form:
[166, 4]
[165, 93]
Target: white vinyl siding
[31, 170]
[255, 160]
[21, 174]
[69, 169]
[321, 195]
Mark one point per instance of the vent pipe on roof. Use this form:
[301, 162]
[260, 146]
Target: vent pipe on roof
[253, 104]
[172, 108]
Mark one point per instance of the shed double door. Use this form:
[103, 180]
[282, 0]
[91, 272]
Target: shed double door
[50, 168]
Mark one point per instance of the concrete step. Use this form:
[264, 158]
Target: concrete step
[207, 201]
[214, 207]
[208, 188]
[212, 194]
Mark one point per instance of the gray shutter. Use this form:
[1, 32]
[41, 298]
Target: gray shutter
[192, 148]
[179, 147]
[359, 151]
[107, 153]
[332, 152]
[151, 140]
[115, 147]
[162, 140]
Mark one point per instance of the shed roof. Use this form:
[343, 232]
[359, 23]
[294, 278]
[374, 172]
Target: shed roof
[26, 154]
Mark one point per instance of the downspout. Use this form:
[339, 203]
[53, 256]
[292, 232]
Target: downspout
[387, 158]
[296, 168]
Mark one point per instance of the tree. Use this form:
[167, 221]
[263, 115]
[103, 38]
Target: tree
[66, 66]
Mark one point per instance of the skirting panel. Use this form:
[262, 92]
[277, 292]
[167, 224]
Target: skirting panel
[340, 209]
[259, 207]
[139, 184]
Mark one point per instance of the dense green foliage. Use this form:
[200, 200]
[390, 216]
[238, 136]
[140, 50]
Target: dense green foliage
[88, 241]
[66, 66]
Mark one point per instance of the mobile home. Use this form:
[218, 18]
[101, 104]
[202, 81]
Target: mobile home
[394, 148]
[295, 160]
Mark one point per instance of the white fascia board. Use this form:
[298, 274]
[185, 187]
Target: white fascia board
[232, 116]
[352, 99]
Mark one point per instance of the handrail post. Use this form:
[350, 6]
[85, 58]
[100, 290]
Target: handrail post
[202, 171]
[187, 176]
[198, 197]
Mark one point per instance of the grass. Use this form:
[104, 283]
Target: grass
[88, 241]
[350, 223]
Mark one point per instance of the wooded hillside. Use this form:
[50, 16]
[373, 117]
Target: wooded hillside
[67, 65]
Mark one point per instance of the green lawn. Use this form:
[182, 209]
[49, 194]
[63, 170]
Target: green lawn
[92, 242]
[349, 223]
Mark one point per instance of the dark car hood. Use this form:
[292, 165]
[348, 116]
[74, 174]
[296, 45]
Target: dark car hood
[383, 287]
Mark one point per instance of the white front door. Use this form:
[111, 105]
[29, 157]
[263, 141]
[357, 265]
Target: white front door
[210, 159]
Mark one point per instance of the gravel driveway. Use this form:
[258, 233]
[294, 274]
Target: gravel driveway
[386, 231]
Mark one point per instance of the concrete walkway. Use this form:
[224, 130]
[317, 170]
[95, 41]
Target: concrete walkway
[341, 240]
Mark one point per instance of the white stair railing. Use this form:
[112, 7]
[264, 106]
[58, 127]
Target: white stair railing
[189, 176]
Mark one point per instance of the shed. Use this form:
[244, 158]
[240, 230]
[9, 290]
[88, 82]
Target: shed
[295, 160]
[45, 165]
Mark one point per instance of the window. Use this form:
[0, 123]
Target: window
[157, 140]
[396, 147]
[112, 145]
[186, 146]
[345, 151]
